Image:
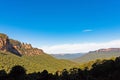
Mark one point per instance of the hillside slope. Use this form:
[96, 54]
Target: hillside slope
[98, 54]
[13, 52]
[33, 63]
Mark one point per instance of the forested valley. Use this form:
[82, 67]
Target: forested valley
[100, 70]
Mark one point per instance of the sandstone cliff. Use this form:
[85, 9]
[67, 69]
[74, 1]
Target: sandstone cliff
[107, 50]
[17, 47]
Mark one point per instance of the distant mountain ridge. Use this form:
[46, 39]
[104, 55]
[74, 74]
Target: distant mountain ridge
[107, 50]
[17, 47]
[67, 55]
[98, 54]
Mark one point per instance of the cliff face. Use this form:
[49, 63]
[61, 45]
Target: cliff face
[107, 50]
[4, 42]
[17, 47]
[27, 49]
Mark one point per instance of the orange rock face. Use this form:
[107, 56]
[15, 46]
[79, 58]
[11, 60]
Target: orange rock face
[17, 47]
[4, 42]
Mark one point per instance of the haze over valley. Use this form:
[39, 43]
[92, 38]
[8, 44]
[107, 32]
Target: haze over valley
[59, 40]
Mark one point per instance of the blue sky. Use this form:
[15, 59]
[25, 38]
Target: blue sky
[59, 22]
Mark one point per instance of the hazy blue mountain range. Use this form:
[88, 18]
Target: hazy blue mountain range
[67, 56]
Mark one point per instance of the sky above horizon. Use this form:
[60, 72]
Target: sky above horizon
[62, 26]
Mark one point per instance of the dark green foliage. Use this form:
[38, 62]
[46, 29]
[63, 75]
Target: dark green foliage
[105, 70]
[34, 63]
[17, 73]
[39, 67]
[3, 75]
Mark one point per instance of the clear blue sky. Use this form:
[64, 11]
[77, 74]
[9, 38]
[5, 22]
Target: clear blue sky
[52, 22]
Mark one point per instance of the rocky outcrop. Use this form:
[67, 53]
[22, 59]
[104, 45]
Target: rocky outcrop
[17, 47]
[4, 42]
[27, 49]
[5, 45]
[107, 50]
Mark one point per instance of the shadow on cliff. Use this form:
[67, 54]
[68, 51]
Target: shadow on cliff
[15, 51]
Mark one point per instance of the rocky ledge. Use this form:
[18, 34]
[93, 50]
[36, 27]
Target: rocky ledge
[17, 47]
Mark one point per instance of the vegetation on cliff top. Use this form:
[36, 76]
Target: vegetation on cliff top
[3, 35]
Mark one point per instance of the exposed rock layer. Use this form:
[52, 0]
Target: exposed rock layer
[17, 47]
[107, 50]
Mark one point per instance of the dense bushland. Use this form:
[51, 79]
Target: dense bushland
[103, 70]
[34, 63]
